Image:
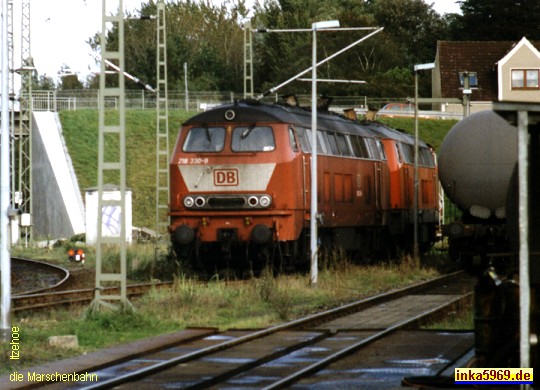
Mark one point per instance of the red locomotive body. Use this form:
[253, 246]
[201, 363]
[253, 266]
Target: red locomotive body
[240, 181]
[400, 152]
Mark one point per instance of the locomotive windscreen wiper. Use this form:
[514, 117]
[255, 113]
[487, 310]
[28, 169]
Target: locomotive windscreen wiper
[247, 131]
[207, 132]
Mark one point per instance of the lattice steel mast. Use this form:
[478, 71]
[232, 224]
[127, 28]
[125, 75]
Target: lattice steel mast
[162, 125]
[22, 197]
[248, 60]
[11, 61]
[111, 160]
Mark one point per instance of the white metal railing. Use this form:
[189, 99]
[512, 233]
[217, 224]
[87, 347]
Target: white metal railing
[200, 101]
[142, 99]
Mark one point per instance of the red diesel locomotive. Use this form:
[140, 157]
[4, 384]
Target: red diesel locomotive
[240, 187]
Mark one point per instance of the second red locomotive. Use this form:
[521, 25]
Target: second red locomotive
[240, 187]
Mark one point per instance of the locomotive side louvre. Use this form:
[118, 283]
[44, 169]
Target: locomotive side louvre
[353, 189]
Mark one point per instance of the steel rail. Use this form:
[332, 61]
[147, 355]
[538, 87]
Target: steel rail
[314, 318]
[354, 347]
[42, 300]
[63, 271]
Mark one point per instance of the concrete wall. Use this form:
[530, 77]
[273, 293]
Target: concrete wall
[57, 202]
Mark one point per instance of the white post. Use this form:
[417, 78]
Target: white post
[186, 87]
[524, 281]
[313, 216]
[5, 258]
[415, 202]
[314, 200]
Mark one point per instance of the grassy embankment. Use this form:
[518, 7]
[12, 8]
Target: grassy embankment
[257, 303]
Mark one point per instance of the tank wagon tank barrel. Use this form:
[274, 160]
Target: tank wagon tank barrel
[476, 160]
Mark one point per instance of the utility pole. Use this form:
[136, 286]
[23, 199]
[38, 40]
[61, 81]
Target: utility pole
[467, 91]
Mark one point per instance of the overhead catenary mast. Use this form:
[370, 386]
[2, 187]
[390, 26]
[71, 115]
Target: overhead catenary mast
[111, 165]
[22, 197]
[162, 125]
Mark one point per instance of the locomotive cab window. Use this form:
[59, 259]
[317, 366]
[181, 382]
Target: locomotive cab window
[292, 140]
[426, 157]
[380, 147]
[407, 153]
[358, 146]
[205, 139]
[331, 139]
[375, 149]
[253, 139]
[305, 140]
[322, 147]
[398, 151]
[342, 144]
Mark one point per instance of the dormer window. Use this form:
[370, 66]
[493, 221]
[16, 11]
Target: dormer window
[524, 79]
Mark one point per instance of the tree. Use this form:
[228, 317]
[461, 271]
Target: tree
[279, 56]
[68, 79]
[413, 26]
[207, 37]
[498, 20]
[70, 82]
[411, 29]
[43, 83]
[210, 40]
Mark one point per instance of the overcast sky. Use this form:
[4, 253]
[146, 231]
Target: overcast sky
[60, 29]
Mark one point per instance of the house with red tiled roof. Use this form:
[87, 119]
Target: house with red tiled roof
[502, 70]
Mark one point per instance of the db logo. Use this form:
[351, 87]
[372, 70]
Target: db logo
[226, 177]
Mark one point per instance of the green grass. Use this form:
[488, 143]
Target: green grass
[431, 131]
[461, 319]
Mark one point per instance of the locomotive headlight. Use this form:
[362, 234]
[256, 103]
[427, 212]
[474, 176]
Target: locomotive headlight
[253, 201]
[188, 201]
[265, 201]
[200, 201]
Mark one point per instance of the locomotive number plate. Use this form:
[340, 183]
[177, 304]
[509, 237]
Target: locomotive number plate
[226, 177]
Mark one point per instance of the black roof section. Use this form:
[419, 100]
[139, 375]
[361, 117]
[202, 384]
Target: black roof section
[253, 111]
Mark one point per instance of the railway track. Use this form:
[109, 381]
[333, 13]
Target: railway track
[293, 353]
[31, 276]
[38, 301]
